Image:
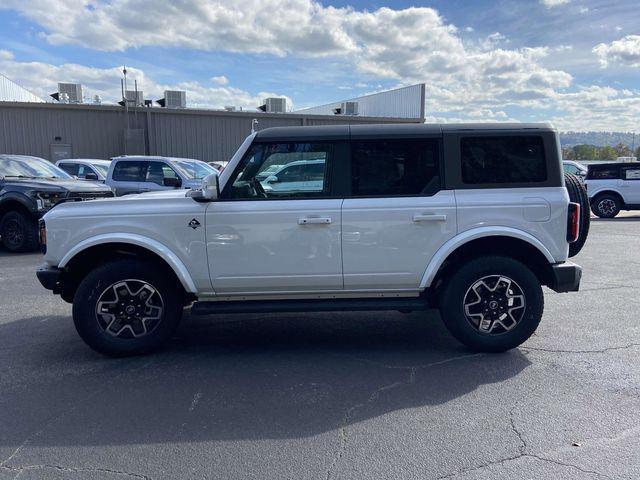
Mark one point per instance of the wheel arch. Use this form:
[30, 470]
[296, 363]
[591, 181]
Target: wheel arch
[10, 203]
[92, 251]
[489, 241]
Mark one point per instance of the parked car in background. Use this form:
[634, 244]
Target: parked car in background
[30, 187]
[138, 174]
[575, 168]
[613, 187]
[86, 168]
[299, 176]
[385, 230]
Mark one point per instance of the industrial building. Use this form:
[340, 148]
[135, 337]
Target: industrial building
[77, 130]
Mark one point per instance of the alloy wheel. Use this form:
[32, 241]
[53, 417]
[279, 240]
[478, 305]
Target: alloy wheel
[129, 309]
[494, 304]
[607, 206]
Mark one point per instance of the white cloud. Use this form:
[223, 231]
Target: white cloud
[220, 80]
[554, 3]
[625, 51]
[466, 79]
[42, 79]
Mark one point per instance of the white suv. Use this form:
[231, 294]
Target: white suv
[613, 187]
[470, 219]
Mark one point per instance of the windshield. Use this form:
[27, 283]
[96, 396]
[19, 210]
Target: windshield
[102, 169]
[30, 167]
[193, 169]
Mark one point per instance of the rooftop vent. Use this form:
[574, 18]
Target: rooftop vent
[347, 108]
[274, 105]
[175, 99]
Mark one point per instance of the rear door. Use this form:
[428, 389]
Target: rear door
[631, 184]
[127, 176]
[397, 215]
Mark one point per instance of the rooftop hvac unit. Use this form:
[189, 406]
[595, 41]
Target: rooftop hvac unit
[175, 99]
[274, 105]
[134, 97]
[229, 108]
[73, 92]
[347, 108]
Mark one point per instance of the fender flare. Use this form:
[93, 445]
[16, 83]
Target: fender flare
[153, 246]
[467, 236]
[609, 189]
[20, 198]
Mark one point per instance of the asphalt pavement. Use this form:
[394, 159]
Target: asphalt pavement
[330, 396]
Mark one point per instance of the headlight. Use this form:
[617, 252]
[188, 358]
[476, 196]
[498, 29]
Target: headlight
[46, 200]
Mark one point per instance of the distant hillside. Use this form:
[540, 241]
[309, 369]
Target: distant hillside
[599, 139]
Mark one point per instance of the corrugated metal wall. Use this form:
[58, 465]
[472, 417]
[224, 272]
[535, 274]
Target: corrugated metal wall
[405, 102]
[10, 91]
[95, 131]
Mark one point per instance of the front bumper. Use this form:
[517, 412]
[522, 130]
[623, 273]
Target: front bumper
[566, 277]
[50, 278]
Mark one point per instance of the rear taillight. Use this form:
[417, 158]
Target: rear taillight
[42, 236]
[573, 222]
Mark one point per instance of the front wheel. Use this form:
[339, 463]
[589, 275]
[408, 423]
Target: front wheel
[127, 307]
[19, 232]
[492, 303]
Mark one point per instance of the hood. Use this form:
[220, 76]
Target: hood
[68, 184]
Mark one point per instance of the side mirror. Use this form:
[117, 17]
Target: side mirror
[91, 176]
[172, 182]
[211, 187]
[271, 179]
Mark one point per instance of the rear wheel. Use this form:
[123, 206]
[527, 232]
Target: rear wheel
[127, 307]
[606, 205]
[492, 303]
[578, 194]
[19, 232]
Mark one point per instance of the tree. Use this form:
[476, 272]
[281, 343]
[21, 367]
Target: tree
[637, 154]
[584, 152]
[622, 150]
[608, 153]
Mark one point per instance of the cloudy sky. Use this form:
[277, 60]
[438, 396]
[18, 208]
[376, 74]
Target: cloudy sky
[575, 63]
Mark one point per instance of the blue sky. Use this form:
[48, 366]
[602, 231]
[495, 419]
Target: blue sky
[573, 62]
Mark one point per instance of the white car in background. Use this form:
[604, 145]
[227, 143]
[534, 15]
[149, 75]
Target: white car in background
[85, 168]
[613, 187]
[300, 176]
[575, 168]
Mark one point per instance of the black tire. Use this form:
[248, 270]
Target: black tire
[19, 232]
[606, 205]
[578, 194]
[97, 284]
[459, 287]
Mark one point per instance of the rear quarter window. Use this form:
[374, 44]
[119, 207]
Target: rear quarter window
[603, 172]
[503, 159]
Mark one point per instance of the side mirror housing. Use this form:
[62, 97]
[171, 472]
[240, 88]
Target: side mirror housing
[172, 182]
[211, 186]
[271, 179]
[91, 176]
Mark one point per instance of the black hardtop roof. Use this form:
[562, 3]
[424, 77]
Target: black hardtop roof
[334, 132]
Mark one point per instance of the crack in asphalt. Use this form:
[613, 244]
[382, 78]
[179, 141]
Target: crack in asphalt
[60, 468]
[346, 420]
[603, 350]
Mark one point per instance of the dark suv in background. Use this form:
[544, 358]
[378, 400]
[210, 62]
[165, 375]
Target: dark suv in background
[29, 187]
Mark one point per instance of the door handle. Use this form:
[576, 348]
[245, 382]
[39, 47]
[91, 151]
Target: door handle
[428, 218]
[314, 220]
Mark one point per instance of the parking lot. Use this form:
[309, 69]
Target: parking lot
[324, 396]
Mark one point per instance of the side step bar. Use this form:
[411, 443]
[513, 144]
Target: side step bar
[328, 305]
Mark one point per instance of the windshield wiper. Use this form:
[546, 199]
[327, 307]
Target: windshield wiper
[18, 176]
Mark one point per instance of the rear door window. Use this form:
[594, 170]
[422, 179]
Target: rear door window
[394, 168]
[129, 171]
[632, 173]
[603, 172]
[503, 160]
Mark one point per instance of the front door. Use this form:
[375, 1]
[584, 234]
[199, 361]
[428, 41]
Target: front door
[396, 216]
[265, 240]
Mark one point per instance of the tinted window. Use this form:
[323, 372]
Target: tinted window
[603, 172]
[129, 171]
[632, 173]
[282, 170]
[70, 168]
[571, 168]
[508, 159]
[394, 167]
